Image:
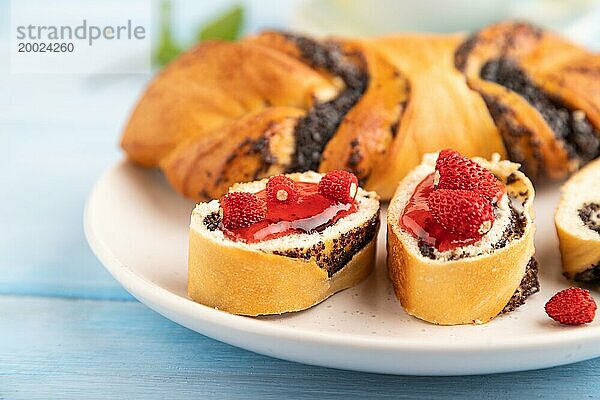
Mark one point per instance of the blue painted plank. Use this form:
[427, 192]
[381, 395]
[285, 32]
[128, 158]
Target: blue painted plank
[46, 177]
[53, 348]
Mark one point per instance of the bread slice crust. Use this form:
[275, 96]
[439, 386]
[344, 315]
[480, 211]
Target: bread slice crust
[579, 244]
[284, 274]
[471, 289]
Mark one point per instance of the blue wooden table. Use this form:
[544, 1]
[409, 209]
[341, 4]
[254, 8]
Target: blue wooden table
[68, 330]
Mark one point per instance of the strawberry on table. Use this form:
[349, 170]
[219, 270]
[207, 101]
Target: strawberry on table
[572, 306]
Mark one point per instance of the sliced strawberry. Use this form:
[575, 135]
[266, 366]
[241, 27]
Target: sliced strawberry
[453, 171]
[572, 306]
[464, 213]
[281, 189]
[339, 185]
[242, 209]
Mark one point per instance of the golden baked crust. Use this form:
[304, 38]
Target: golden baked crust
[207, 87]
[257, 144]
[252, 282]
[362, 142]
[466, 290]
[562, 72]
[442, 112]
[371, 106]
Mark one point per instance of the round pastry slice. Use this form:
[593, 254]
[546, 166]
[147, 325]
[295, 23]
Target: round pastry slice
[460, 239]
[282, 244]
[577, 222]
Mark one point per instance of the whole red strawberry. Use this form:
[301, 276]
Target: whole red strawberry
[572, 306]
[242, 209]
[453, 171]
[281, 189]
[339, 185]
[465, 213]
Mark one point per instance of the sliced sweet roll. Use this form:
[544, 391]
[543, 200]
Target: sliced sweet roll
[460, 239]
[282, 244]
[577, 223]
[542, 91]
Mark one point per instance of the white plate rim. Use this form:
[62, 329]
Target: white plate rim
[164, 302]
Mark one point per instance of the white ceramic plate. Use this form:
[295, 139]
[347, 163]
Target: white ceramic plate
[137, 225]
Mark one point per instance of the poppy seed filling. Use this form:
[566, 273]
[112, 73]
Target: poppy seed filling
[590, 216]
[317, 127]
[341, 252]
[212, 221]
[590, 275]
[579, 136]
[529, 285]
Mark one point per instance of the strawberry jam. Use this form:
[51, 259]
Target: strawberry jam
[418, 221]
[311, 213]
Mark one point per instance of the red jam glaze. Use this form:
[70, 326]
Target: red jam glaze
[312, 213]
[418, 221]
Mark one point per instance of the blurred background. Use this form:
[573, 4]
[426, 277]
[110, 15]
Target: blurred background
[61, 131]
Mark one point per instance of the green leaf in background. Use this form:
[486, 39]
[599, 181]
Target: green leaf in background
[167, 48]
[225, 27]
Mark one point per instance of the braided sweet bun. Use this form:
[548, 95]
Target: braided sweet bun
[280, 103]
[542, 91]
